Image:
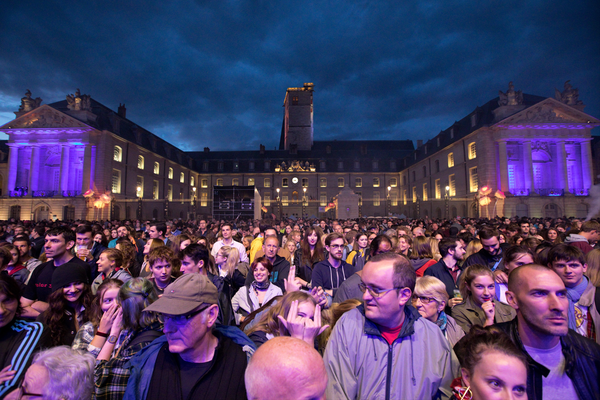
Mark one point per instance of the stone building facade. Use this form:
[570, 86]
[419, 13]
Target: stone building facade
[518, 154]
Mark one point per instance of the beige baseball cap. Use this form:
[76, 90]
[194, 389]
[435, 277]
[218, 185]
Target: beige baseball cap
[185, 294]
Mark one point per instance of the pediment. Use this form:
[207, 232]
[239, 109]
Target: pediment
[548, 112]
[44, 117]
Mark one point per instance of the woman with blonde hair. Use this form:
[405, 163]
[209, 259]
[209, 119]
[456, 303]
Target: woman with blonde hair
[227, 261]
[430, 299]
[480, 307]
[473, 247]
[296, 314]
[332, 316]
[590, 294]
[110, 266]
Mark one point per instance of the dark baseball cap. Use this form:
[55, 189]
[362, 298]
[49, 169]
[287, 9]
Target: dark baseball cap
[185, 294]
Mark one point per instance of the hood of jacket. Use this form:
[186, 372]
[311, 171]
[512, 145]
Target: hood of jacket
[573, 237]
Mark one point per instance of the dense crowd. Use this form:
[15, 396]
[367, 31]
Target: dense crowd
[300, 309]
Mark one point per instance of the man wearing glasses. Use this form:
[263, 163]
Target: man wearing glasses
[383, 349]
[195, 358]
[331, 272]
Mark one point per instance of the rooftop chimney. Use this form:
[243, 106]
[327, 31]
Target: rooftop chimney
[122, 111]
[419, 143]
[206, 149]
[262, 149]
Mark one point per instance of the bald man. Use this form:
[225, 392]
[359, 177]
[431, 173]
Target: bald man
[286, 368]
[562, 363]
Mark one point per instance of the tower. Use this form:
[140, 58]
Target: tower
[297, 127]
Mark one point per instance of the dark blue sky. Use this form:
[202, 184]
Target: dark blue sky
[215, 73]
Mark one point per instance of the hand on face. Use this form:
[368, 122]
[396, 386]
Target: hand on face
[302, 327]
[489, 308]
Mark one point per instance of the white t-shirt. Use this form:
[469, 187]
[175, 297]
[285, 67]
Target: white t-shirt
[581, 319]
[557, 385]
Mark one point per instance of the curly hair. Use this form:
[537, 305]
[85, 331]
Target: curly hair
[129, 254]
[55, 316]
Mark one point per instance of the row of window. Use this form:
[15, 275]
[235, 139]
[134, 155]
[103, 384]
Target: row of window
[450, 189]
[267, 165]
[472, 154]
[118, 157]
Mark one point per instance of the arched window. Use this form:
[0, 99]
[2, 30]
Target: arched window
[118, 154]
[140, 162]
[156, 168]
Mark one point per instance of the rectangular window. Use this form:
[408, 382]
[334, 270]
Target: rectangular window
[170, 174]
[437, 165]
[357, 165]
[267, 166]
[251, 165]
[140, 162]
[450, 160]
[323, 200]
[393, 165]
[204, 183]
[205, 166]
[156, 168]
[375, 165]
[118, 154]
[323, 182]
[473, 180]
[358, 182]
[203, 199]
[181, 177]
[236, 166]
[267, 199]
[116, 181]
[438, 189]
[340, 182]
[404, 201]
[284, 182]
[452, 184]
[424, 171]
[284, 200]
[220, 165]
[394, 198]
[220, 182]
[425, 194]
[340, 165]
[170, 192]
[235, 182]
[360, 202]
[155, 190]
[267, 182]
[376, 199]
[139, 187]
[304, 182]
[393, 182]
[472, 151]
[192, 181]
[250, 181]
[375, 182]
[414, 194]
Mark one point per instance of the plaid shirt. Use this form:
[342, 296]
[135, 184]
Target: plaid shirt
[83, 339]
[111, 376]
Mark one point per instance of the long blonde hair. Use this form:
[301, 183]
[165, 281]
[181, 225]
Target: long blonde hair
[232, 256]
[269, 322]
[593, 270]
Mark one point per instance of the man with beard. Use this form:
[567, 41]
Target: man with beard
[491, 253]
[448, 269]
[331, 272]
[562, 363]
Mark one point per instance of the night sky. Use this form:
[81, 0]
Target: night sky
[214, 74]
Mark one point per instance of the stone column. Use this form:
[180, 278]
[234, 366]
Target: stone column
[503, 159]
[528, 167]
[586, 163]
[64, 167]
[87, 168]
[34, 170]
[13, 165]
[561, 163]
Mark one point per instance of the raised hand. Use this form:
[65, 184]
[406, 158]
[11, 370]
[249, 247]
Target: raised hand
[107, 318]
[319, 295]
[117, 322]
[301, 327]
[500, 276]
[292, 284]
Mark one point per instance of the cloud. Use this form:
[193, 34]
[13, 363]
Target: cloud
[214, 74]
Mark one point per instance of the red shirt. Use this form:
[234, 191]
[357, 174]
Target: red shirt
[391, 334]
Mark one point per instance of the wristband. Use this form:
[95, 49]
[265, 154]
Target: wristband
[101, 334]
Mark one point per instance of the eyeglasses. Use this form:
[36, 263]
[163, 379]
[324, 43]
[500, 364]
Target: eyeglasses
[182, 319]
[377, 293]
[22, 393]
[424, 300]
[337, 246]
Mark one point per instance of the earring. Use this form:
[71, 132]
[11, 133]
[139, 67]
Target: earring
[468, 394]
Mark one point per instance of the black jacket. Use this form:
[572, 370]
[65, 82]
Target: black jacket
[582, 364]
[440, 270]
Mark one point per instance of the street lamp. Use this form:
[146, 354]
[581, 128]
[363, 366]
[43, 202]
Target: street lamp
[447, 201]
[303, 202]
[139, 196]
[278, 203]
[387, 202]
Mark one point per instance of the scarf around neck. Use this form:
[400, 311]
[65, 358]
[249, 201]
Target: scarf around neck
[574, 294]
[261, 285]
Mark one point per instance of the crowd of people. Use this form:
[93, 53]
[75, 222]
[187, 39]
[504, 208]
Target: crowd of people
[300, 309]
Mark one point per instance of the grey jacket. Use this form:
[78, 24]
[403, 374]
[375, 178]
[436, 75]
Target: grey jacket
[246, 300]
[362, 365]
[453, 331]
[468, 314]
[121, 275]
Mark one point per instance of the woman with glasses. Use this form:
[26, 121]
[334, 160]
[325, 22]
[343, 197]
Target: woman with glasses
[480, 307]
[430, 298]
